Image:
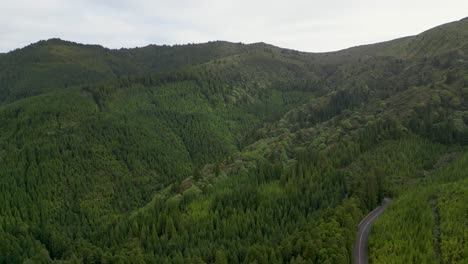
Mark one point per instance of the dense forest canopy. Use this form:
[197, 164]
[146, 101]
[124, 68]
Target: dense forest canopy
[231, 153]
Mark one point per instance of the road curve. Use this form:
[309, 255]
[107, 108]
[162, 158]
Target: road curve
[360, 245]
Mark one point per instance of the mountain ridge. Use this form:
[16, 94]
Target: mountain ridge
[113, 63]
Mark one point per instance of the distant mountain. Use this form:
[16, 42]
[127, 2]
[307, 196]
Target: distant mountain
[232, 153]
[55, 64]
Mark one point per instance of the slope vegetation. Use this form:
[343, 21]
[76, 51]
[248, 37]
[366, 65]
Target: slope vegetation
[232, 153]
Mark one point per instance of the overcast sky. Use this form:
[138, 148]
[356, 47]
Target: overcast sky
[307, 25]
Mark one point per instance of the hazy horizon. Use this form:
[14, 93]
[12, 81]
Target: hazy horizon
[299, 25]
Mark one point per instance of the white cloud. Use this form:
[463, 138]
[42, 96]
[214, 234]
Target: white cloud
[299, 24]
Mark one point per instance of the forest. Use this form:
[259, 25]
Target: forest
[234, 153]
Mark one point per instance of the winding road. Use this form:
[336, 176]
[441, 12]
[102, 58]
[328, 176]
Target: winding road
[360, 245]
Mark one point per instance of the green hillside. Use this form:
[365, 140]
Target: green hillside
[231, 153]
[57, 64]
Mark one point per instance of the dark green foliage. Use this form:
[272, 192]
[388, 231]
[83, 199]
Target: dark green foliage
[233, 153]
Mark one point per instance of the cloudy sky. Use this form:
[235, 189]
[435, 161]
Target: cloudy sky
[307, 25]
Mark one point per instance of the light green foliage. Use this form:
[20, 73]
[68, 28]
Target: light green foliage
[428, 223]
[396, 238]
[453, 226]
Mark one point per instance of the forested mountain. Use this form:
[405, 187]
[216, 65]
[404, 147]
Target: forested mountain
[231, 153]
[58, 64]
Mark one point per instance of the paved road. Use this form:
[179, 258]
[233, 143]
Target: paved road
[360, 245]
